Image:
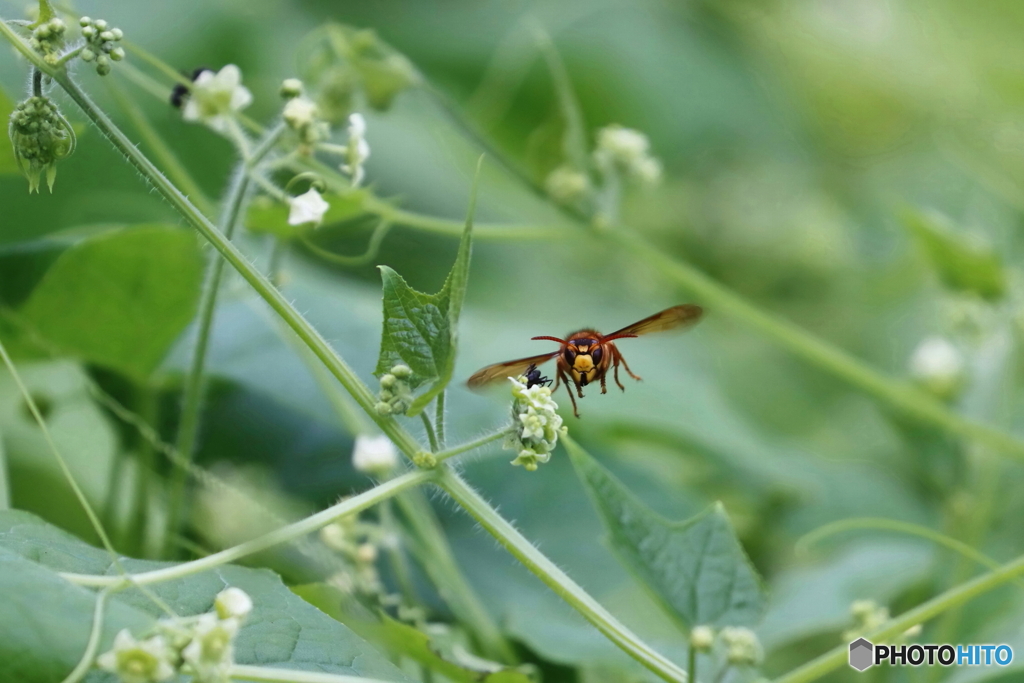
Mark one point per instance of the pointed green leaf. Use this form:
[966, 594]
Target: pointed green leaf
[283, 630]
[120, 299]
[421, 330]
[961, 263]
[696, 568]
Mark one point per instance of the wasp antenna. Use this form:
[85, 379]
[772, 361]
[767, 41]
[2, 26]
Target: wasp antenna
[554, 339]
[613, 337]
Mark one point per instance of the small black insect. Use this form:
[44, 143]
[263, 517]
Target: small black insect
[534, 378]
[180, 91]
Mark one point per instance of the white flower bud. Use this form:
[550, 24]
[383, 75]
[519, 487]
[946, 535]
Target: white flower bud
[291, 87]
[536, 424]
[938, 365]
[232, 602]
[358, 149]
[211, 653]
[374, 455]
[566, 185]
[702, 638]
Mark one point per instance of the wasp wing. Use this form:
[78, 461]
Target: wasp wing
[686, 315]
[511, 368]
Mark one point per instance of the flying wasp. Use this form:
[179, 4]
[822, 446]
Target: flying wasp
[585, 356]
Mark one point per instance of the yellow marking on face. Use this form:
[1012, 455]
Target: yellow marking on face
[583, 363]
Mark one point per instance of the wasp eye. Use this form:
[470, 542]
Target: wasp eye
[570, 355]
[596, 354]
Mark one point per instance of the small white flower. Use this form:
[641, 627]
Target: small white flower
[300, 112]
[358, 150]
[702, 638]
[623, 145]
[868, 615]
[938, 365]
[216, 97]
[374, 454]
[742, 646]
[307, 208]
[232, 602]
[628, 150]
[211, 653]
[135, 661]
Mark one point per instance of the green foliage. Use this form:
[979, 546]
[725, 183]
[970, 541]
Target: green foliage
[8, 163]
[962, 264]
[120, 299]
[281, 631]
[696, 568]
[421, 330]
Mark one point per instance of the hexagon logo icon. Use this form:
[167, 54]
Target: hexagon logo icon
[861, 654]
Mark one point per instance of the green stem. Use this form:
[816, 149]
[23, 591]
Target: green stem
[954, 597]
[896, 394]
[473, 445]
[372, 249]
[398, 435]
[145, 472]
[432, 551]
[266, 674]
[85, 663]
[430, 432]
[813, 537]
[163, 152]
[188, 429]
[291, 532]
[691, 663]
[397, 559]
[439, 418]
[556, 579]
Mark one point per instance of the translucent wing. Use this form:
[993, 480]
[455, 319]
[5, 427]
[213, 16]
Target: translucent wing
[512, 368]
[686, 315]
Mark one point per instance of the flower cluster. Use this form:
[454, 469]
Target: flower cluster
[395, 395]
[536, 425]
[41, 137]
[48, 39]
[742, 647]
[200, 646]
[100, 44]
[627, 150]
[216, 98]
[357, 151]
[357, 542]
[303, 116]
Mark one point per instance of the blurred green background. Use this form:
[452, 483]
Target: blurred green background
[799, 139]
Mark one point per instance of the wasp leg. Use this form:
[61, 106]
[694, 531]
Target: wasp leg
[604, 388]
[575, 410]
[625, 365]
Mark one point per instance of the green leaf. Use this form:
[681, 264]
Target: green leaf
[45, 621]
[696, 568]
[283, 630]
[269, 216]
[421, 330]
[8, 164]
[961, 263]
[439, 650]
[120, 299]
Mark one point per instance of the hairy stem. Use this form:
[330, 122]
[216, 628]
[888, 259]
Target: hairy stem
[439, 419]
[346, 508]
[556, 579]
[266, 674]
[473, 445]
[188, 427]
